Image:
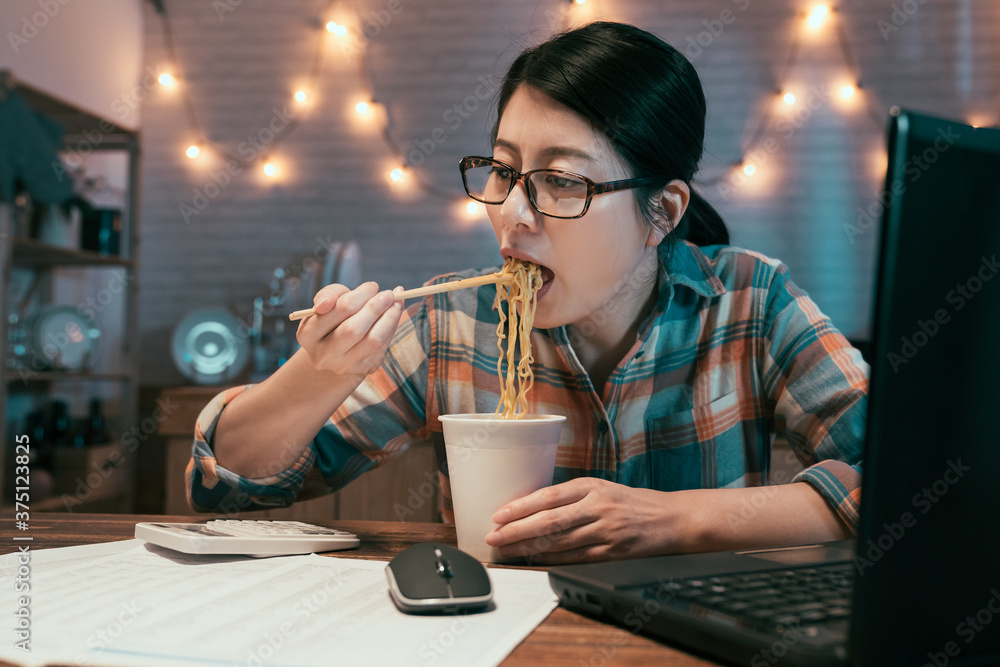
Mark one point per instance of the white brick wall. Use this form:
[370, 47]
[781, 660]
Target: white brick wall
[432, 55]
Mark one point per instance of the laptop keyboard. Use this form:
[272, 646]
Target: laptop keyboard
[805, 596]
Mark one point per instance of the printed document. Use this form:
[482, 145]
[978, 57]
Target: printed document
[132, 603]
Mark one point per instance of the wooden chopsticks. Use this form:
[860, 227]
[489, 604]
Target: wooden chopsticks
[478, 281]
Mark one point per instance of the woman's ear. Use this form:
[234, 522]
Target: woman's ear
[669, 205]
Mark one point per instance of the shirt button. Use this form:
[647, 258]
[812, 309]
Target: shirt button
[602, 427]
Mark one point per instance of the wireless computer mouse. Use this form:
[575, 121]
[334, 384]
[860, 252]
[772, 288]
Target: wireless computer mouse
[434, 577]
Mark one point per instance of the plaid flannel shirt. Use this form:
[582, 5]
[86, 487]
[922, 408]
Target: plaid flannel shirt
[732, 353]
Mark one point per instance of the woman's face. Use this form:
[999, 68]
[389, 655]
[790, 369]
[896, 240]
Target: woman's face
[593, 266]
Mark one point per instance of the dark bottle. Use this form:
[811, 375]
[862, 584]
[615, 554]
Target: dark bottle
[95, 433]
[58, 430]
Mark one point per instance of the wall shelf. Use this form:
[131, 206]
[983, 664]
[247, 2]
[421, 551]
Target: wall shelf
[30, 252]
[34, 275]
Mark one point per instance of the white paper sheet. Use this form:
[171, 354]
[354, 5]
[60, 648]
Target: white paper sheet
[129, 603]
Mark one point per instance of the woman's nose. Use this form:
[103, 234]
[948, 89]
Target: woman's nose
[517, 210]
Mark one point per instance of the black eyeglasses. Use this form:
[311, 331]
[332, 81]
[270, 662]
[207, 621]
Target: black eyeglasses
[551, 192]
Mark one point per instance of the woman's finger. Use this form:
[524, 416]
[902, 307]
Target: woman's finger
[342, 305]
[541, 525]
[566, 540]
[550, 497]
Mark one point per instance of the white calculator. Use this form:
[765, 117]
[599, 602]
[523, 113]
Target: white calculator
[259, 539]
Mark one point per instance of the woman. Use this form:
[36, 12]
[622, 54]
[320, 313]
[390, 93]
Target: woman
[673, 355]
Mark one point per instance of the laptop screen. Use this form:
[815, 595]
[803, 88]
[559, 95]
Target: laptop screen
[928, 590]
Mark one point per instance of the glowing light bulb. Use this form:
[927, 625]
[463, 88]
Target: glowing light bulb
[847, 91]
[362, 108]
[472, 207]
[270, 169]
[396, 174]
[818, 16]
[336, 28]
[581, 2]
[300, 96]
[749, 169]
[192, 151]
[165, 80]
[789, 99]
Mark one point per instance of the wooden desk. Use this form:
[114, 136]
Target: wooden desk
[564, 638]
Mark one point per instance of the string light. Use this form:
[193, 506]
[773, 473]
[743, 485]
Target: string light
[403, 172]
[818, 16]
[979, 121]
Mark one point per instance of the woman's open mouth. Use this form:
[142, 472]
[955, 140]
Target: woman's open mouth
[547, 277]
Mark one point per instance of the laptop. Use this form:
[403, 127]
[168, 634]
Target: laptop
[921, 583]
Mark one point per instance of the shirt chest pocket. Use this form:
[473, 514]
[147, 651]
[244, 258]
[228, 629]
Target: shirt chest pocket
[698, 448]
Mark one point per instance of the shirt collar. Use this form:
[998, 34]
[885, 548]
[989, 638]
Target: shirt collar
[685, 264]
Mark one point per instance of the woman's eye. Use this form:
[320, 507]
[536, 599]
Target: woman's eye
[561, 182]
[501, 172]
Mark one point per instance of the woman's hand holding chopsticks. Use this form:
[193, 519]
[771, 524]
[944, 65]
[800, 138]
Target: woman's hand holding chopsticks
[351, 329]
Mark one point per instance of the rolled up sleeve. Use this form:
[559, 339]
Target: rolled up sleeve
[383, 416]
[819, 387]
[213, 488]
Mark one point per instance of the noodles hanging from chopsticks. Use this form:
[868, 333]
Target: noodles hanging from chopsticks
[515, 327]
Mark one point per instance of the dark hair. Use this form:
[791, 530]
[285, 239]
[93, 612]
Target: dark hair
[643, 95]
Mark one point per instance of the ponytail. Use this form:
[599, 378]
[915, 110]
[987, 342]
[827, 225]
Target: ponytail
[701, 224]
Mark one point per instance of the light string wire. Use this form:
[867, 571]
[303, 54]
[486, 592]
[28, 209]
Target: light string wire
[761, 120]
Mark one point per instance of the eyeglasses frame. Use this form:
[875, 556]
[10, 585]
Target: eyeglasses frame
[593, 189]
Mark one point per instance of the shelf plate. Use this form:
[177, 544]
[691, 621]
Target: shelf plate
[29, 252]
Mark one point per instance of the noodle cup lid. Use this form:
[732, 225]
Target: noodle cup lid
[531, 418]
[484, 431]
